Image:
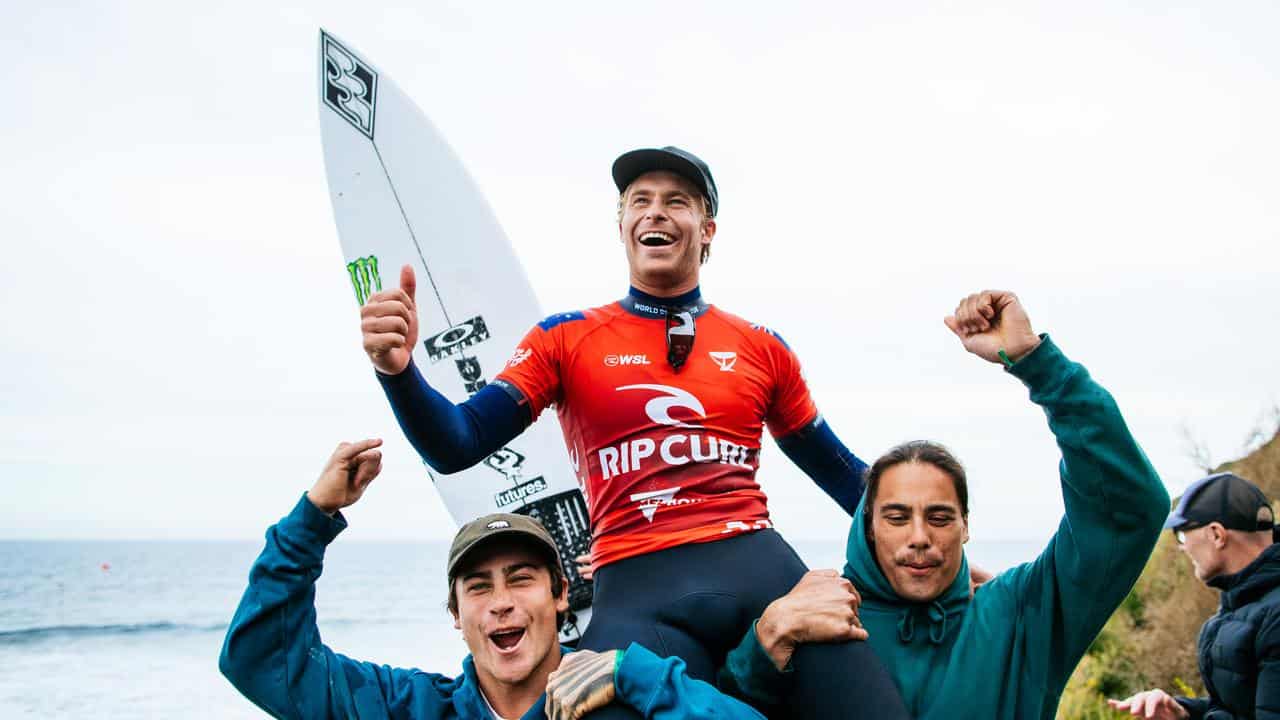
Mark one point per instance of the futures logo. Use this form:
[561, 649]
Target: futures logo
[659, 408]
[350, 86]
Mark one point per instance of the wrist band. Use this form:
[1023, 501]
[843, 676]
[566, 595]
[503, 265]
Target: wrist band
[1004, 358]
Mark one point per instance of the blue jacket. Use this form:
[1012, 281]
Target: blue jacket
[274, 656]
[1240, 645]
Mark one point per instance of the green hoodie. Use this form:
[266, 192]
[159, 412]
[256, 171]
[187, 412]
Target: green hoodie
[1007, 651]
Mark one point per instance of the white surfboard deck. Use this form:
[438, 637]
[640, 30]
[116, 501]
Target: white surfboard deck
[400, 196]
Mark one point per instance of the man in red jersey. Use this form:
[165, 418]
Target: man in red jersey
[662, 399]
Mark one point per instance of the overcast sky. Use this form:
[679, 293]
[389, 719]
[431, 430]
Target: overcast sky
[180, 349]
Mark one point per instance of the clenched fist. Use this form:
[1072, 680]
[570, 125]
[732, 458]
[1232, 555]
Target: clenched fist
[991, 321]
[389, 323]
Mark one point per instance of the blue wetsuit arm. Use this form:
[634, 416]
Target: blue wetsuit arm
[817, 451]
[453, 437]
[273, 653]
[660, 689]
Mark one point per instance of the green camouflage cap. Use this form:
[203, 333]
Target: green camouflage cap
[477, 531]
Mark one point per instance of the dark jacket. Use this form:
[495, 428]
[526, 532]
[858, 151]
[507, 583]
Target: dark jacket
[1240, 646]
[274, 656]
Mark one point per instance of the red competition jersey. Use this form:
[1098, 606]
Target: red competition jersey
[664, 457]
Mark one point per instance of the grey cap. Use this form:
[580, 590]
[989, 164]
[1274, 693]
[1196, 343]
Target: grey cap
[476, 532]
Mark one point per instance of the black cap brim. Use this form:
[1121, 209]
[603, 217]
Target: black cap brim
[632, 165]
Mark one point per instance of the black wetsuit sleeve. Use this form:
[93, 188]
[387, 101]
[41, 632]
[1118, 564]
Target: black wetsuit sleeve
[453, 437]
[817, 451]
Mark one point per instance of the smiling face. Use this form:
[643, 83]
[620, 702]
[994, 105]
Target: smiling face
[507, 614]
[918, 529]
[663, 228]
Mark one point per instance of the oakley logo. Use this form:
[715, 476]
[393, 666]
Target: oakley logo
[452, 341]
[616, 360]
[659, 408]
[726, 360]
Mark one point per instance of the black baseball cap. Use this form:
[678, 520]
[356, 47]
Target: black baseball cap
[632, 165]
[475, 533]
[1223, 498]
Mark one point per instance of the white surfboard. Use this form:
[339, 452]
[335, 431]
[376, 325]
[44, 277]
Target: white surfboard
[401, 196]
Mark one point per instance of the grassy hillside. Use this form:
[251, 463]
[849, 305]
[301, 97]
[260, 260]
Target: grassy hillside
[1151, 640]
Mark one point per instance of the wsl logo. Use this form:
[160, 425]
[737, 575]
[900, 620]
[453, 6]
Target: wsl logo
[350, 86]
[365, 279]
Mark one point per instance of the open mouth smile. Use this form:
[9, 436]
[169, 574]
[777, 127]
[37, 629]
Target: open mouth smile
[507, 640]
[654, 238]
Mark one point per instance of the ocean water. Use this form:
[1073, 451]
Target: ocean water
[133, 629]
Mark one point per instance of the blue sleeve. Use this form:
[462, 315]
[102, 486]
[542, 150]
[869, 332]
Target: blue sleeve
[454, 437]
[817, 451]
[659, 689]
[273, 654]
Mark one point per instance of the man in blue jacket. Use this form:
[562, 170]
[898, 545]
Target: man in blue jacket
[507, 594]
[1226, 527]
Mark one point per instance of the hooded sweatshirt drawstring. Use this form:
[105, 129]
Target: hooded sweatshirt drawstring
[936, 615]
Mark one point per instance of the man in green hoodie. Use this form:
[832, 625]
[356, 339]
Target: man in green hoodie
[1006, 649]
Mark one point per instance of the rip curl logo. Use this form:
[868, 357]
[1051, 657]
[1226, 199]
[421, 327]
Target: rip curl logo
[659, 408]
[726, 360]
[350, 86]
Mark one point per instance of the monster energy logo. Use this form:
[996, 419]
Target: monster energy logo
[364, 277]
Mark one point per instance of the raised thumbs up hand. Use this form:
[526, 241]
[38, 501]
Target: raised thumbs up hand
[389, 323]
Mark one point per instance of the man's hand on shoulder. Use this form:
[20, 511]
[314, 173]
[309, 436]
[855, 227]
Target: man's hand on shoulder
[389, 324]
[977, 578]
[1152, 705]
[822, 607]
[990, 321]
[350, 469]
[583, 683]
